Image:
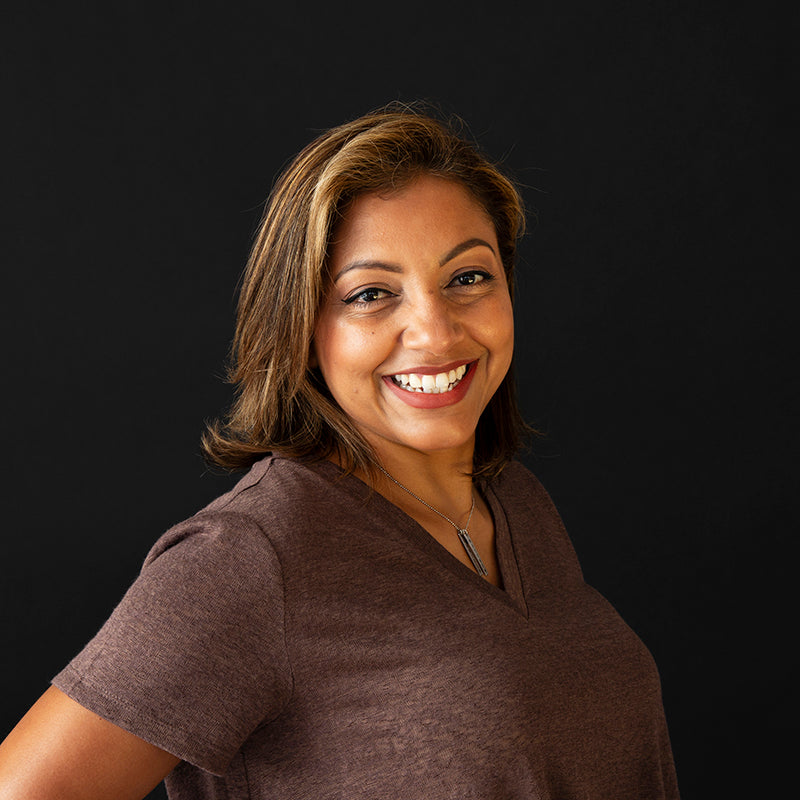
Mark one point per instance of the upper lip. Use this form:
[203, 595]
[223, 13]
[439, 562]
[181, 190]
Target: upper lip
[429, 370]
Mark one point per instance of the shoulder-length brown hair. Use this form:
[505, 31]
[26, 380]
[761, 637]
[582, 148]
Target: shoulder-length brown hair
[283, 405]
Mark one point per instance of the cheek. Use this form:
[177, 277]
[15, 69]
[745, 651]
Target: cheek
[500, 327]
[501, 344]
[345, 351]
[509, 331]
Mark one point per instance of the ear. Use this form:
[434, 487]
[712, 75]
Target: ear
[313, 361]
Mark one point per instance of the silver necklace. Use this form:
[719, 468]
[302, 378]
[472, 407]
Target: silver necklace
[463, 533]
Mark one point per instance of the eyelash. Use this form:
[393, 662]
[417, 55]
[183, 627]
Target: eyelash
[353, 299]
[484, 277]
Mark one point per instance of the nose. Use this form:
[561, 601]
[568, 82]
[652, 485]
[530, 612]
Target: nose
[431, 325]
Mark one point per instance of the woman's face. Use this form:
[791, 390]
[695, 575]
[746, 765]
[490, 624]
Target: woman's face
[416, 331]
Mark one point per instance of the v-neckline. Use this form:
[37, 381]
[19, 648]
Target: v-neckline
[511, 592]
[506, 554]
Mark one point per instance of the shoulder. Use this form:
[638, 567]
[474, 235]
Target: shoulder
[274, 495]
[517, 484]
[277, 483]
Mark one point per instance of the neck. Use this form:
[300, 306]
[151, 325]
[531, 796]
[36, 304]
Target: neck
[442, 479]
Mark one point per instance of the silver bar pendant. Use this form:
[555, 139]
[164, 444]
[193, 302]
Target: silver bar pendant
[473, 554]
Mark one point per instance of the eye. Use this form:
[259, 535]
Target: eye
[366, 296]
[471, 278]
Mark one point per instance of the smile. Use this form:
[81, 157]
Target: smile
[441, 383]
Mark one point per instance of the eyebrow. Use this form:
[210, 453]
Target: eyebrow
[388, 266]
[463, 247]
[368, 263]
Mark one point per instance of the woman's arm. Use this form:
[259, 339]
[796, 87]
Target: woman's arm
[62, 751]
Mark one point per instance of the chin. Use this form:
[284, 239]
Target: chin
[441, 442]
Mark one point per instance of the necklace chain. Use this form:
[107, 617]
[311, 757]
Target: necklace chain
[463, 533]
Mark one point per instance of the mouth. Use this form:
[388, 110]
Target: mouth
[439, 383]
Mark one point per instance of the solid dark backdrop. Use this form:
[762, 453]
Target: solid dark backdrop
[653, 346]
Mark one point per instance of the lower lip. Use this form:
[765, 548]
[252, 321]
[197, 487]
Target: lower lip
[423, 400]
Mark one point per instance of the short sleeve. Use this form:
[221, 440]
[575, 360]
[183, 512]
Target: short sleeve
[194, 658]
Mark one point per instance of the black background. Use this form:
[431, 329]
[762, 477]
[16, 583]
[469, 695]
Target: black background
[653, 301]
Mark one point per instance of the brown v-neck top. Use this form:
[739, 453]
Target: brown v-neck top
[302, 637]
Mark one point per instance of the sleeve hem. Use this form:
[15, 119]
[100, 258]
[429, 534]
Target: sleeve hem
[130, 718]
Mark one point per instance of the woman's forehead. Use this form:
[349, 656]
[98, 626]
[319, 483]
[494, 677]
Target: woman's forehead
[428, 205]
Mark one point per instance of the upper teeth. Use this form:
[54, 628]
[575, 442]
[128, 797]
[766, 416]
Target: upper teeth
[431, 384]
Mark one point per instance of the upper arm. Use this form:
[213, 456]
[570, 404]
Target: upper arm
[192, 659]
[60, 750]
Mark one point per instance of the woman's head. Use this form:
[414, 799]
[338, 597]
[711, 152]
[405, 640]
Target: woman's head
[282, 404]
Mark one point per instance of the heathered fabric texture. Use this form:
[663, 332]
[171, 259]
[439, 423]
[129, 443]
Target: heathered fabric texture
[303, 638]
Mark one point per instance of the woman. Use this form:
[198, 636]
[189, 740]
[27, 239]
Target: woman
[386, 605]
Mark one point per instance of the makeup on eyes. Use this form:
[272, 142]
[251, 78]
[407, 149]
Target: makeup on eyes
[478, 276]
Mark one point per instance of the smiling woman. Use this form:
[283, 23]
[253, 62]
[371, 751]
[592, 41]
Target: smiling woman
[417, 292]
[282, 404]
[386, 604]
